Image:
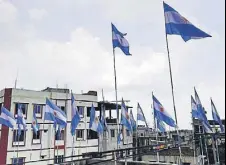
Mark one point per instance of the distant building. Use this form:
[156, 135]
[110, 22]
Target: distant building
[46, 144]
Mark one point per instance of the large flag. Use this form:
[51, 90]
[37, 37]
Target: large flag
[125, 118]
[95, 124]
[176, 24]
[75, 117]
[35, 124]
[55, 114]
[20, 119]
[216, 116]
[195, 112]
[133, 121]
[119, 41]
[7, 118]
[160, 126]
[161, 114]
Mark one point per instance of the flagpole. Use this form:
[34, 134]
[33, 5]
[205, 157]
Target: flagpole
[217, 149]
[17, 142]
[137, 134]
[194, 140]
[156, 128]
[201, 145]
[172, 88]
[116, 90]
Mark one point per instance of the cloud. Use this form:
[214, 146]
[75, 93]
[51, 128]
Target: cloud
[37, 14]
[8, 12]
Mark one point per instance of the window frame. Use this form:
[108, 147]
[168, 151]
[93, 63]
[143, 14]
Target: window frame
[16, 109]
[38, 115]
[23, 158]
[83, 135]
[81, 115]
[37, 141]
[112, 130]
[18, 143]
[62, 135]
[57, 158]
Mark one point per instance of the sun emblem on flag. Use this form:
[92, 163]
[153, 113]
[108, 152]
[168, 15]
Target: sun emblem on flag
[161, 109]
[127, 116]
[34, 122]
[96, 120]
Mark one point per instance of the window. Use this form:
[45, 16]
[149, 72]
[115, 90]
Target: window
[23, 107]
[80, 134]
[17, 138]
[112, 133]
[62, 108]
[128, 152]
[88, 111]
[38, 110]
[59, 135]
[36, 139]
[127, 133]
[92, 134]
[81, 111]
[58, 159]
[18, 161]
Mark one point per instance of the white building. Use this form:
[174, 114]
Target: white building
[47, 145]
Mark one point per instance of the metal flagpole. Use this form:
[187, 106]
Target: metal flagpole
[207, 154]
[17, 154]
[218, 154]
[116, 91]
[194, 140]
[172, 88]
[201, 145]
[137, 134]
[156, 129]
[214, 151]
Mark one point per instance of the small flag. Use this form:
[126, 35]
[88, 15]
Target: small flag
[195, 112]
[216, 116]
[133, 121]
[200, 109]
[125, 118]
[140, 114]
[95, 124]
[119, 41]
[20, 119]
[75, 117]
[7, 118]
[176, 24]
[55, 114]
[119, 138]
[35, 124]
[161, 114]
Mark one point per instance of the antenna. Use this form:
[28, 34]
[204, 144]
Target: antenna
[15, 85]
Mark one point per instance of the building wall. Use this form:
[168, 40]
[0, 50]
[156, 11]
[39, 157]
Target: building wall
[47, 147]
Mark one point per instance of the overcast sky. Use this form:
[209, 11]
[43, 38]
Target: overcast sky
[68, 42]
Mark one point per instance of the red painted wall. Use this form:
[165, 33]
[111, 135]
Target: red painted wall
[5, 130]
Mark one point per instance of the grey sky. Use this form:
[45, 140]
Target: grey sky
[69, 42]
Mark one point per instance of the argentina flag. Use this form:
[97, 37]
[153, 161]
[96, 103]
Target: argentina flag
[176, 24]
[119, 41]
